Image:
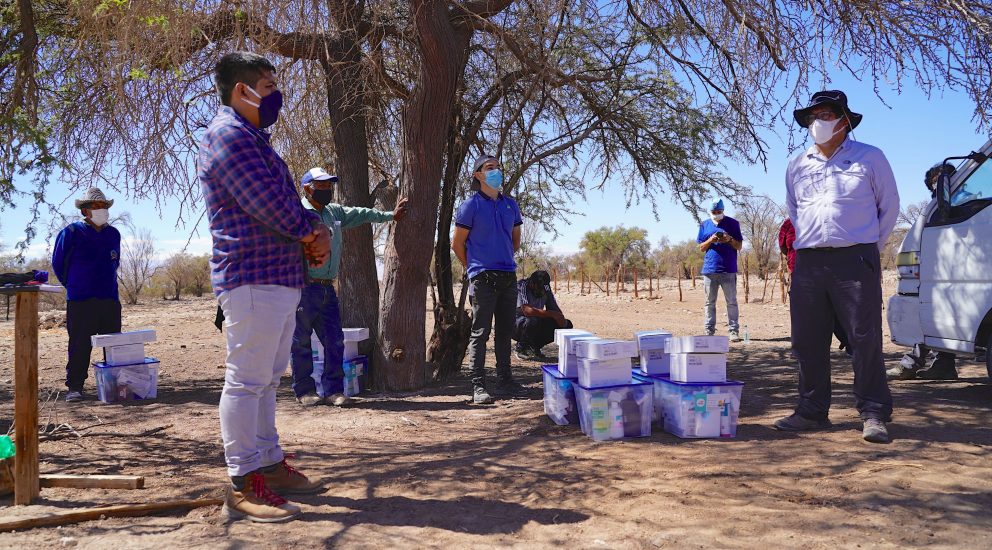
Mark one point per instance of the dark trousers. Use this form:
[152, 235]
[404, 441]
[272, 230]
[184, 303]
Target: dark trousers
[83, 319]
[844, 283]
[318, 312]
[536, 332]
[494, 297]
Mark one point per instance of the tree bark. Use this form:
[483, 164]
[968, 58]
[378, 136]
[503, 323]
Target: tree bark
[426, 115]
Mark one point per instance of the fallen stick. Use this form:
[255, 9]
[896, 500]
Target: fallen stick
[122, 511]
[92, 481]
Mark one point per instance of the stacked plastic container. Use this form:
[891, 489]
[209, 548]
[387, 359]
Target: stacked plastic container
[654, 359]
[697, 401]
[125, 374]
[611, 404]
[559, 396]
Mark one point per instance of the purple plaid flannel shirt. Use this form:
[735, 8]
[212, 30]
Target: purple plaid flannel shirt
[256, 218]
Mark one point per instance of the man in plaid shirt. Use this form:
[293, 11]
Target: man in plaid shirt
[262, 238]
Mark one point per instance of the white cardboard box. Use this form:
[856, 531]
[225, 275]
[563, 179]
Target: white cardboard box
[655, 361]
[123, 338]
[698, 344]
[355, 334]
[561, 333]
[596, 373]
[699, 367]
[582, 346]
[611, 349]
[652, 339]
[572, 345]
[128, 354]
[568, 365]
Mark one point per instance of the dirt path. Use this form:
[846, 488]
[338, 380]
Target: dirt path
[433, 471]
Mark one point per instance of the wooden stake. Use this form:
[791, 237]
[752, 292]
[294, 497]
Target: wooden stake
[606, 278]
[568, 282]
[635, 282]
[554, 277]
[650, 284]
[26, 486]
[679, 273]
[92, 482]
[619, 272]
[692, 273]
[122, 511]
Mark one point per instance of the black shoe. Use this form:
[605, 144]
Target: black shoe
[938, 372]
[480, 396]
[524, 353]
[509, 387]
[796, 423]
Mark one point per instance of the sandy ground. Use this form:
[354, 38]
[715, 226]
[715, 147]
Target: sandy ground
[431, 470]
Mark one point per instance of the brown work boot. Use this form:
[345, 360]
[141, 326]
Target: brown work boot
[289, 481]
[257, 502]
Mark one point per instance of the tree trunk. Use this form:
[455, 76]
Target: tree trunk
[358, 280]
[426, 116]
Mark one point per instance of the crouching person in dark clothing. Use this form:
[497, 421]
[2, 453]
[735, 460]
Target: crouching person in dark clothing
[538, 315]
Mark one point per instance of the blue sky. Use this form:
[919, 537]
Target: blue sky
[913, 130]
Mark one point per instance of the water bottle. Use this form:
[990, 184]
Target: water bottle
[616, 421]
[747, 335]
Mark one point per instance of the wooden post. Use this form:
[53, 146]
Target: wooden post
[635, 282]
[650, 284]
[679, 273]
[26, 486]
[606, 280]
[568, 282]
[692, 273]
[554, 277]
[747, 283]
[619, 274]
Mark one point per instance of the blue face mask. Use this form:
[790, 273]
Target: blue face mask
[268, 107]
[494, 179]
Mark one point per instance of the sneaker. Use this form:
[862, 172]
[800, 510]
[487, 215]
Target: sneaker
[710, 332]
[74, 395]
[289, 481]
[340, 400]
[875, 431]
[900, 372]
[509, 386]
[524, 353]
[480, 396]
[257, 502]
[796, 423]
[734, 337]
[942, 368]
[310, 400]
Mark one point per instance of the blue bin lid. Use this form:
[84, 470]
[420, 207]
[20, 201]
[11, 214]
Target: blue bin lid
[614, 386]
[648, 377]
[668, 380]
[555, 373]
[147, 361]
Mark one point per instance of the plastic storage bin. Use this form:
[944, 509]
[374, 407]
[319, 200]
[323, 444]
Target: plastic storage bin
[657, 412]
[615, 412]
[128, 382]
[559, 397]
[353, 368]
[698, 410]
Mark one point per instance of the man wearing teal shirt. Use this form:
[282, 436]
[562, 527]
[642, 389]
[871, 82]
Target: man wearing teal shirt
[318, 310]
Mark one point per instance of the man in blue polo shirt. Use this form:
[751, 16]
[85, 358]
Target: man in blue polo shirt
[85, 259]
[487, 234]
[719, 239]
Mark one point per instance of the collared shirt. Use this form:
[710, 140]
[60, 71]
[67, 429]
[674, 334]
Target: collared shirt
[86, 260]
[256, 219]
[490, 238]
[347, 217]
[848, 199]
[720, 257]
[525, 296]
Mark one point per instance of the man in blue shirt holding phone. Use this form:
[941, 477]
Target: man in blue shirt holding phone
[719, 239]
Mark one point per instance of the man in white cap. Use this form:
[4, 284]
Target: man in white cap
[843, 202]
[85, 259]
[318, 311]
[719, 240]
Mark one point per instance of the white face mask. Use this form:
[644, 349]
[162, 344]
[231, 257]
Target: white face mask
[823, 130]
[100, 217]
[716, 217]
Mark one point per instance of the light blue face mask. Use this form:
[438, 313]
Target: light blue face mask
[494, 179]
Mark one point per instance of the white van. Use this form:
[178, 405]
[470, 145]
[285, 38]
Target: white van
[944, 299]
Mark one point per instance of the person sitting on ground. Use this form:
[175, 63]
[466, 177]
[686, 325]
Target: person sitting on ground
[538, 315]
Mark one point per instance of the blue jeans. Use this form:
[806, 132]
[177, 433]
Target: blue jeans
[318, 311]
[728, 282]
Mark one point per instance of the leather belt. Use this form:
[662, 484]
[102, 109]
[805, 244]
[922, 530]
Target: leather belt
[321, 282]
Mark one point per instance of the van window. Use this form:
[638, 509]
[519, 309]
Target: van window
[977, 186]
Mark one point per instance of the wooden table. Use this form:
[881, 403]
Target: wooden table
[26, 480]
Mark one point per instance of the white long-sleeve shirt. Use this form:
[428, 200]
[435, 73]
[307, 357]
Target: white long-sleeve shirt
[848, 199]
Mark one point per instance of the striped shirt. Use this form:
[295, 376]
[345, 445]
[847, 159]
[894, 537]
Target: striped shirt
[256, 219]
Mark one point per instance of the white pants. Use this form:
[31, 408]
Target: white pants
[259, 324]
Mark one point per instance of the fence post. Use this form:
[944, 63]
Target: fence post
[635, 282]
[554, 276]
[679, 273]
[568, 283]
[606, 280]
